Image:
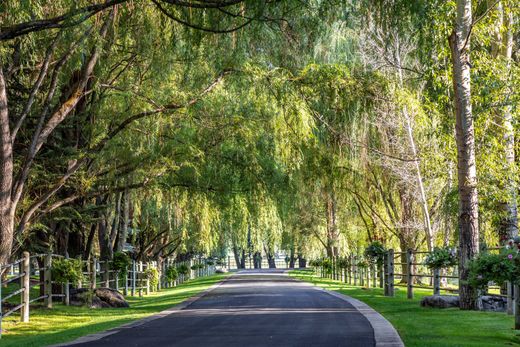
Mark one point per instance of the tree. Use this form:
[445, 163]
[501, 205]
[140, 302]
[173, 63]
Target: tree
[465, 135]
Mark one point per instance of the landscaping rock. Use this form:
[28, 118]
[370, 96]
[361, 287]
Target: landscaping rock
[101, 298]
[112, 297]
[493, 303]
[220, 271]
[440, 301]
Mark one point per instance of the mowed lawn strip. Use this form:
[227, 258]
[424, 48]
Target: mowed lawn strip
[423, 327]
[62, 323]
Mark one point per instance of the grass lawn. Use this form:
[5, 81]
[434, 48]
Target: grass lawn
[420, 326]
[62, 323]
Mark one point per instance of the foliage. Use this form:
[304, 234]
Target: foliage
[343, 262]
[210, 262]
[498, 268]
[326, 264]
[376, 252]
[67, 270]
[152, 274]
[362, 263]
[183, 269]
[198, 266]
[171, 274]
[441, 258]
[121, 263]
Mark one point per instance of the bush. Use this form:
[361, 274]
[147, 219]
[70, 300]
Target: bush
[376, 252]
[67, 270]
[121, 263]
[171, 274]
[362, 263]
[343, 263]
[152, 274]
[497, 268]
[183, 269]
[441, 258]
[210, 262]
[326, 263]
[197, 266]
[316, 262]
[221, 262]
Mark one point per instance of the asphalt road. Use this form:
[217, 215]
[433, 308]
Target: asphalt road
[254, 309]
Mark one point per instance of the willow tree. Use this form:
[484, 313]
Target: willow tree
[98, 40]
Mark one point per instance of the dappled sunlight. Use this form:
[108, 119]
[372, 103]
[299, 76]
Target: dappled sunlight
[66, 323]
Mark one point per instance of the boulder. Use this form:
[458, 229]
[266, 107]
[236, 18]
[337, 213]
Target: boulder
[493, 303]
[220, 271]
[100, 298]
[440, 301]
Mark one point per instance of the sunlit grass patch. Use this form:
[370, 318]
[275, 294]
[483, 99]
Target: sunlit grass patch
[419, 326]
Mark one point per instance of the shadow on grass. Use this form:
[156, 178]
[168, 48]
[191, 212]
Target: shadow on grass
[62, 323]
[419, 326]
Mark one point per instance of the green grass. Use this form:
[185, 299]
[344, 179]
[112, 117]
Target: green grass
[62, 323]
[423, 327]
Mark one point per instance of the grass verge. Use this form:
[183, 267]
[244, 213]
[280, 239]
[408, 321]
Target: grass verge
[62, 323]
[419, 326]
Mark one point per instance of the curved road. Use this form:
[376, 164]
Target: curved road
[255, 308]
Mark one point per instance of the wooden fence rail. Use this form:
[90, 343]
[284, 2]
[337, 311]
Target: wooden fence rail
[406, 269]
[26, 273]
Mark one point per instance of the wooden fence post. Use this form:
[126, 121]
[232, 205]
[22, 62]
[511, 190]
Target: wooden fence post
[374, 275]
[391, 272]
[517, 306]
[47, 280]
[409, 279]
[509, 287]
[134, 269]
[93, 273]
[148, 267]
[66, 298]
[355, 270]
[26, 285]
[436, 282]
[384, 270]
[106, 274]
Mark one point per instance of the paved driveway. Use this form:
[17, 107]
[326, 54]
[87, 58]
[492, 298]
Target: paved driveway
[254, 308]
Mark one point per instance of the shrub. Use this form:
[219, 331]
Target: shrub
[497, 268]
[316, 262]
[183, 269]
[67, 270]
[326, 263]
[152, 274]
[121, 263]
[441, 258]
[221, 262]
[376, 252]
[171, 274]
[362, 263]
[197, 266]
[210, 262]
[343, 263]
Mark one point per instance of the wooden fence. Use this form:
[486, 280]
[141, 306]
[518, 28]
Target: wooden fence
[27, 279]
[407, 269]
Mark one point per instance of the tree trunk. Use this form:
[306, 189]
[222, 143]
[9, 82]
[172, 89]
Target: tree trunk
[502, 46]
[467, 172]
[124, 221]
[6, 178]
[332, 230]
[413, 148]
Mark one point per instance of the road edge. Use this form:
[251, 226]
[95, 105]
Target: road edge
[180, 306]
[385, 334]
